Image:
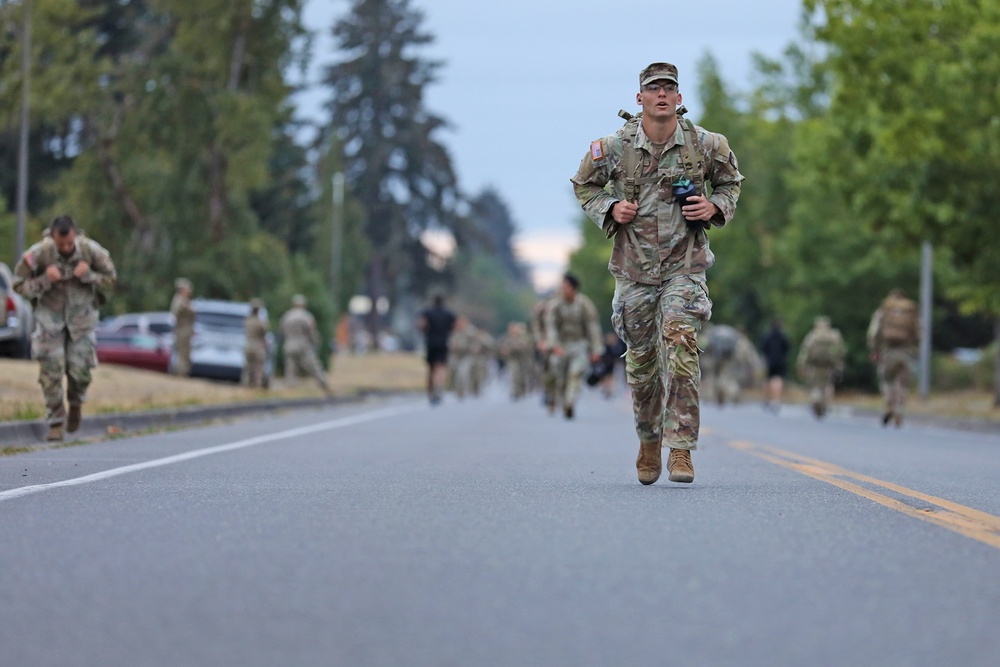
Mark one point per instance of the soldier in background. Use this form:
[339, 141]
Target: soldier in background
[719, 369]
[893, 336]
[255, 349]
[517, 351]
[543, 355]
[575, 340]
[461, 351]
[300, 340]
[184, 316]
[66, 277]
[820, 362]
[482, 359]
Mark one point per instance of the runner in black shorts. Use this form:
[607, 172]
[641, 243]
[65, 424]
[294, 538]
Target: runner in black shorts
[436, 323]
[775, 346]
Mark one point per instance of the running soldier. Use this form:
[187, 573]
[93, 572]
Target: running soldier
[820, 363]
[893, 336]
[574, 332]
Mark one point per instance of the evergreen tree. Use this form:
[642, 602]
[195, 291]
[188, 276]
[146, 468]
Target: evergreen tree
[394, 164]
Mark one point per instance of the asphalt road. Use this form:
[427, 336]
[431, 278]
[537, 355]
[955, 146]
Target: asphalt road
[489, 533]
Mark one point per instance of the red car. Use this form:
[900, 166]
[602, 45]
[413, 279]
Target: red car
[140, 340]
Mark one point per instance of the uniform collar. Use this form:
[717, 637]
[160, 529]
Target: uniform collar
[642, 141]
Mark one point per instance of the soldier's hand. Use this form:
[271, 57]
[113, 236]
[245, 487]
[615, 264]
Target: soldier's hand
[80, 270]
[594, 358]
[53, 272]
[557, 350]
[624, 212]
[699, 208]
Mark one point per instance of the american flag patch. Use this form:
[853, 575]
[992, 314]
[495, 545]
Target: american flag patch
[595, 150]
[29, 259]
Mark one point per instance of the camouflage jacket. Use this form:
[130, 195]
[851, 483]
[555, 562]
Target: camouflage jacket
[517, 347]
[256, 332]
[577, 322]
[184, 315]
[463, 342]
[298, 330]
[72, 303]
[659, 229]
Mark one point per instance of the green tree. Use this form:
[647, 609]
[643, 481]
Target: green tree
[394, 164]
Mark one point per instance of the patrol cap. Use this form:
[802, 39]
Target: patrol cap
[657, 71]
[298, 300]
[182, 282]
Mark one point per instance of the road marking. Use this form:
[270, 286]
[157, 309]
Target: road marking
[208, 451]
[944, 513]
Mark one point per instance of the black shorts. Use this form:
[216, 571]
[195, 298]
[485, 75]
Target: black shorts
[437, 354]
[776, 369]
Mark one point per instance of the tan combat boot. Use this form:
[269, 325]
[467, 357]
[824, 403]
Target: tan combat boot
[73, 420]
[649, 464]
[55, 433]
[679, 465]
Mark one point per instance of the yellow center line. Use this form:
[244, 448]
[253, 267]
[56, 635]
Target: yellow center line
[967, 521]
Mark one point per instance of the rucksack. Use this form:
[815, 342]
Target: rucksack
[722, 341]
[824, 349]
[899, 321]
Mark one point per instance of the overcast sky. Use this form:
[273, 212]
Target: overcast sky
[528, 84]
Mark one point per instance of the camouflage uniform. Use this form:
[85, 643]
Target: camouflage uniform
[729, 363]
[66, 313]
[462, 347]
[893, 337]
[575, 328]
[483, 355]
[544, 361]
[821, 359]
[255, 349]
[184, 316]
[300, 339]
[517, 350]
[661, 296]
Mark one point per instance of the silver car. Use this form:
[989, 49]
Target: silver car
[217, 346]
[17, 319]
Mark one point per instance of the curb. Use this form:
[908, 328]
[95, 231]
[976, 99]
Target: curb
[32, 433]
[973, 424]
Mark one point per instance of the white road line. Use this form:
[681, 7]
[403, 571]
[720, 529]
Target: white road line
[208, 451]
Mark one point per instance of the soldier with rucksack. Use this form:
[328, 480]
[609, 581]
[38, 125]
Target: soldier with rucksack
[820, 362]
[893, 336]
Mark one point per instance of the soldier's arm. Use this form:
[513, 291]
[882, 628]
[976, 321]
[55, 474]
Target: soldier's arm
[102, 273]
[725, 177]
[873, 330]
[589, 186]
[25, 282]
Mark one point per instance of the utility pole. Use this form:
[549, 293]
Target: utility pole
[22, 156]
[926, 294]
[336, 240]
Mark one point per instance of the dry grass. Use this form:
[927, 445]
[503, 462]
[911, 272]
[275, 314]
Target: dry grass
[118, 389]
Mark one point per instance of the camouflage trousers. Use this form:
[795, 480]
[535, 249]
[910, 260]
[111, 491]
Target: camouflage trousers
[299, 362]
[59, 355]
[660, 324]
[518, 368]
[894, 372]
[820, 383]
[568, 369]
[182, 346]
[253, 371]
[462, 375]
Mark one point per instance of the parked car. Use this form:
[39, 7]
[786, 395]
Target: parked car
[219, 338]
[17, 319]
[141, 340]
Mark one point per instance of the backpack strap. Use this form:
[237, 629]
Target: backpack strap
[630, 153]
[694, 170]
